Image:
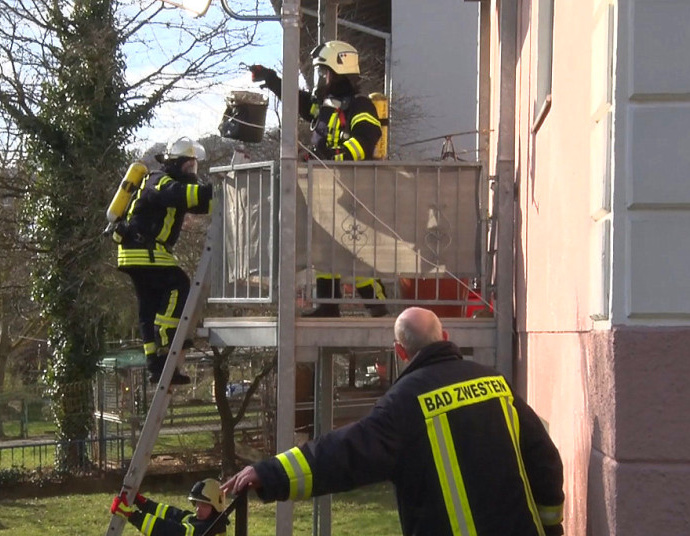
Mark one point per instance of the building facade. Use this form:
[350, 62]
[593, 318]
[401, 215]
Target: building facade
[602, 289]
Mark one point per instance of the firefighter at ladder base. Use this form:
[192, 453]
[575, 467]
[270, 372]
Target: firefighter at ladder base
[466, 455]
[345, 126]
[157, 519]
[146, 237]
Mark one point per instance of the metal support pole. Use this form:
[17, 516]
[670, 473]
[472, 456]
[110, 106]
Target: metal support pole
[484, 111]
[483, 141]
[323, 423]
[286, 273]
[328, 20]
[505, 263]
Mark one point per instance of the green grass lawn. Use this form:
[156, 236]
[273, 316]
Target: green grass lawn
[369, 511]
[35, 429]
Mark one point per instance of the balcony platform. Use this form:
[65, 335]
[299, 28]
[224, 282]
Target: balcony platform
[346, 332]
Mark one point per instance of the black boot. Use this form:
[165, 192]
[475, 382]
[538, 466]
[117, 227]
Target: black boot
[155, 364]
[326, 287]
[372, 291]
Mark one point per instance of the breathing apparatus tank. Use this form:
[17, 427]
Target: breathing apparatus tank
[130, 184]
[381, 103]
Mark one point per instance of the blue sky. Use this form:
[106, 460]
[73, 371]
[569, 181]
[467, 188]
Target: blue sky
[200, 116]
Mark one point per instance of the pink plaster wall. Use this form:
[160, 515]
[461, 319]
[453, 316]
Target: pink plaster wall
[554, 368]
[639, 408]
[615, 398]
[617, 407]
[553, 374]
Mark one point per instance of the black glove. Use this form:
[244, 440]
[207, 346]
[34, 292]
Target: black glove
[262, 74]
[324, 153]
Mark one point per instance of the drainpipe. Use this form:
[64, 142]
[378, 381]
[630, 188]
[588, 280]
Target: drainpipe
[505, 262]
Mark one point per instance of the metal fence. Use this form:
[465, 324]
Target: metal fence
[41, 457]
[420, 228]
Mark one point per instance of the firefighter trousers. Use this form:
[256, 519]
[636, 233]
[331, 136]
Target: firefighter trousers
[161, 293]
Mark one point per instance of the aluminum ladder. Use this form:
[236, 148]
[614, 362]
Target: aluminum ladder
[161, 399]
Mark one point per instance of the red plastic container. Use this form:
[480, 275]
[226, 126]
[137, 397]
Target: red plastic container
[424, 288]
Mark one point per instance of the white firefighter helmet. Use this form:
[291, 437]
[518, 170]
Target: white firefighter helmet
[183, 147]
[208, 491]
[341, 57]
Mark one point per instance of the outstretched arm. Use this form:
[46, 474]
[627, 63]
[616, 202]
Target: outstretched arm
[272, 81]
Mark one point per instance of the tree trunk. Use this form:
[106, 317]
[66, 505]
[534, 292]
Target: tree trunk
[5, 347]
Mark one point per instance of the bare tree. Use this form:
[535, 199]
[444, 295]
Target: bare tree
[77, 79]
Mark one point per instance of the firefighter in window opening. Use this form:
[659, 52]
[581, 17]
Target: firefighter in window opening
[156, 519]
[146, 236]
[345, 126]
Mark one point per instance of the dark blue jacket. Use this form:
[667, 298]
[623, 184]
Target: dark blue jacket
[465, 454]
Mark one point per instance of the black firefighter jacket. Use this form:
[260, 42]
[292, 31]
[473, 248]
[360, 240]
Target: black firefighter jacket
[158, 519]
[343, 127]
[155, 218]
[466, 456]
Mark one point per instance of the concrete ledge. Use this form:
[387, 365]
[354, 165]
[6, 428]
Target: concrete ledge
[347, 332]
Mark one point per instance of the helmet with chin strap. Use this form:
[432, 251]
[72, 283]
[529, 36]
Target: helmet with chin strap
[208, 491]
[333, 61]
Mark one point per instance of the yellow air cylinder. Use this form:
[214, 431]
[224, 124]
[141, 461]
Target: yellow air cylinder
[381, 103]
[130, 184]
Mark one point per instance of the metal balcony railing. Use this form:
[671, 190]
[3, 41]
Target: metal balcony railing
[245, 271]
[419, 228]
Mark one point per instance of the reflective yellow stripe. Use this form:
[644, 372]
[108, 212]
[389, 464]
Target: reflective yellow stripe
[172, 303]
[339, 157]
[189, 528]
[435, 405]
[147, 526]
[333, 136]
[364, 116]
[167, 225]
[167, 321]
[150, 348]
[366, 281]
[192, 195]
[325, 275]
[161, 510]
[450, 477]
[137, 196]
[513, 424]
[141, 257]
[164, 180]
[355, 148]
[550, 515]
[314, 110]
[463, 394]
[298, 472]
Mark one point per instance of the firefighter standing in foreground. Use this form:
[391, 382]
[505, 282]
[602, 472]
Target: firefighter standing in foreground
[465, 454]
[345, 126]
[146, 238]
[157, 519]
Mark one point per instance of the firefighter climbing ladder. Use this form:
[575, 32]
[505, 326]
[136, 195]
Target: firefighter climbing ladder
[161, 399]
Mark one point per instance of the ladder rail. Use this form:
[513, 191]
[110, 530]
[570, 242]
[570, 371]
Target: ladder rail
[161, 399]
